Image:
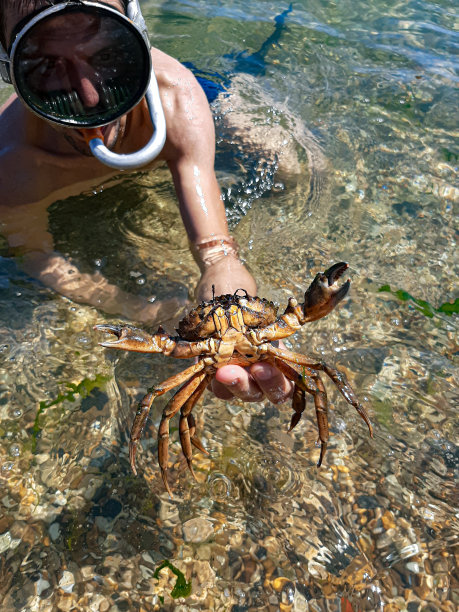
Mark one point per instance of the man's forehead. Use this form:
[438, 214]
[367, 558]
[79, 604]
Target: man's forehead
[15, 10]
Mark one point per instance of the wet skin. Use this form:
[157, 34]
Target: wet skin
[41, 162]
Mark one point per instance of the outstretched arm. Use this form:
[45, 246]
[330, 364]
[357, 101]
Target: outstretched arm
[190, 152]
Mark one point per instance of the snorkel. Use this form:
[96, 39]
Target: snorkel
[84, 64]
[154, 146]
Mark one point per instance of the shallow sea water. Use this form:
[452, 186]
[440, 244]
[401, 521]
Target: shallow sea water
[336, 142]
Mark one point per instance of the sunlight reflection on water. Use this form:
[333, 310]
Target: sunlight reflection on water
[375, 526]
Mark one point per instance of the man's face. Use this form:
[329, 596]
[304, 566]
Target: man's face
[75, 53]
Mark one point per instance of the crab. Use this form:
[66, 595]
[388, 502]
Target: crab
[236, 329]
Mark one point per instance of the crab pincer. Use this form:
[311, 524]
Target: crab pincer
[130, 338]
[324, 293]
[127, 337]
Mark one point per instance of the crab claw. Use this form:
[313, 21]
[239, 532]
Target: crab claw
[323, 294]
[131, 338]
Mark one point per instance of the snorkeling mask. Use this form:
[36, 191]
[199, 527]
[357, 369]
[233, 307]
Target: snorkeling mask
[83, 65]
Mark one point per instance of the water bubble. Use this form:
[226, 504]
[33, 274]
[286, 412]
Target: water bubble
[15, 450]
[220, 487]
[288, 594]
[7, 468]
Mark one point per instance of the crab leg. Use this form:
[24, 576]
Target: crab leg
[195, 441]
[311, 384]
[321, 415]
[145, 405]
[298, 405]
[172, 407]
[187, 425]
[336, 376]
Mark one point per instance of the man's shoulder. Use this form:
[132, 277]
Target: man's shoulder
[16, 158]
[19, 177]
[10, 122]
[172, 76]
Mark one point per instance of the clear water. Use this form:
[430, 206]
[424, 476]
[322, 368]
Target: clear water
[366, 94]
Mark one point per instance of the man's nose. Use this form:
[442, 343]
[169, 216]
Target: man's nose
[84, 80]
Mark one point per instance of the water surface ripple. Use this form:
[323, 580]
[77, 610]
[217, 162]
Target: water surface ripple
[338, 143]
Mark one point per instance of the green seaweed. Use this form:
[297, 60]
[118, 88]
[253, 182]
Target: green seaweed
[82, 389]
[73, 530]
[182, 588]
[448, 308]
[449, 156]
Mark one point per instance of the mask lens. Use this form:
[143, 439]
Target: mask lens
[83, 66]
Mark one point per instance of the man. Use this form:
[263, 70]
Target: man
[41, 162]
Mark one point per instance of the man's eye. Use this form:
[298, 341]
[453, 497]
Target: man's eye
[45, 66]
[49, 63]
[106, 57]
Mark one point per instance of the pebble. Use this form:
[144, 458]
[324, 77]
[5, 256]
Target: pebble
[67, 582]
[54, 531]
[197, 530]
[7, 542]
[317, 570]
[41, 585]
[168, 513]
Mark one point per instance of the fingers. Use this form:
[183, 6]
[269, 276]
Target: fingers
[234, 381]
[252, 384]
[274, 385]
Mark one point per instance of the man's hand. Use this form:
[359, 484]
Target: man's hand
[226, 275]
[252, 384]
[260, 380]
[65, 278]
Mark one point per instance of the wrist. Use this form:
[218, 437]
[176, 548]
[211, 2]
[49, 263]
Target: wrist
[213, 249]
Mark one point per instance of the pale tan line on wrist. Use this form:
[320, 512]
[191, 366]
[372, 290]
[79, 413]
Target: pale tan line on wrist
[208, 251]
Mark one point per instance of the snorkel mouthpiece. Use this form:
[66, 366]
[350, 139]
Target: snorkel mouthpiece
[91, 134]
[152, 149]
